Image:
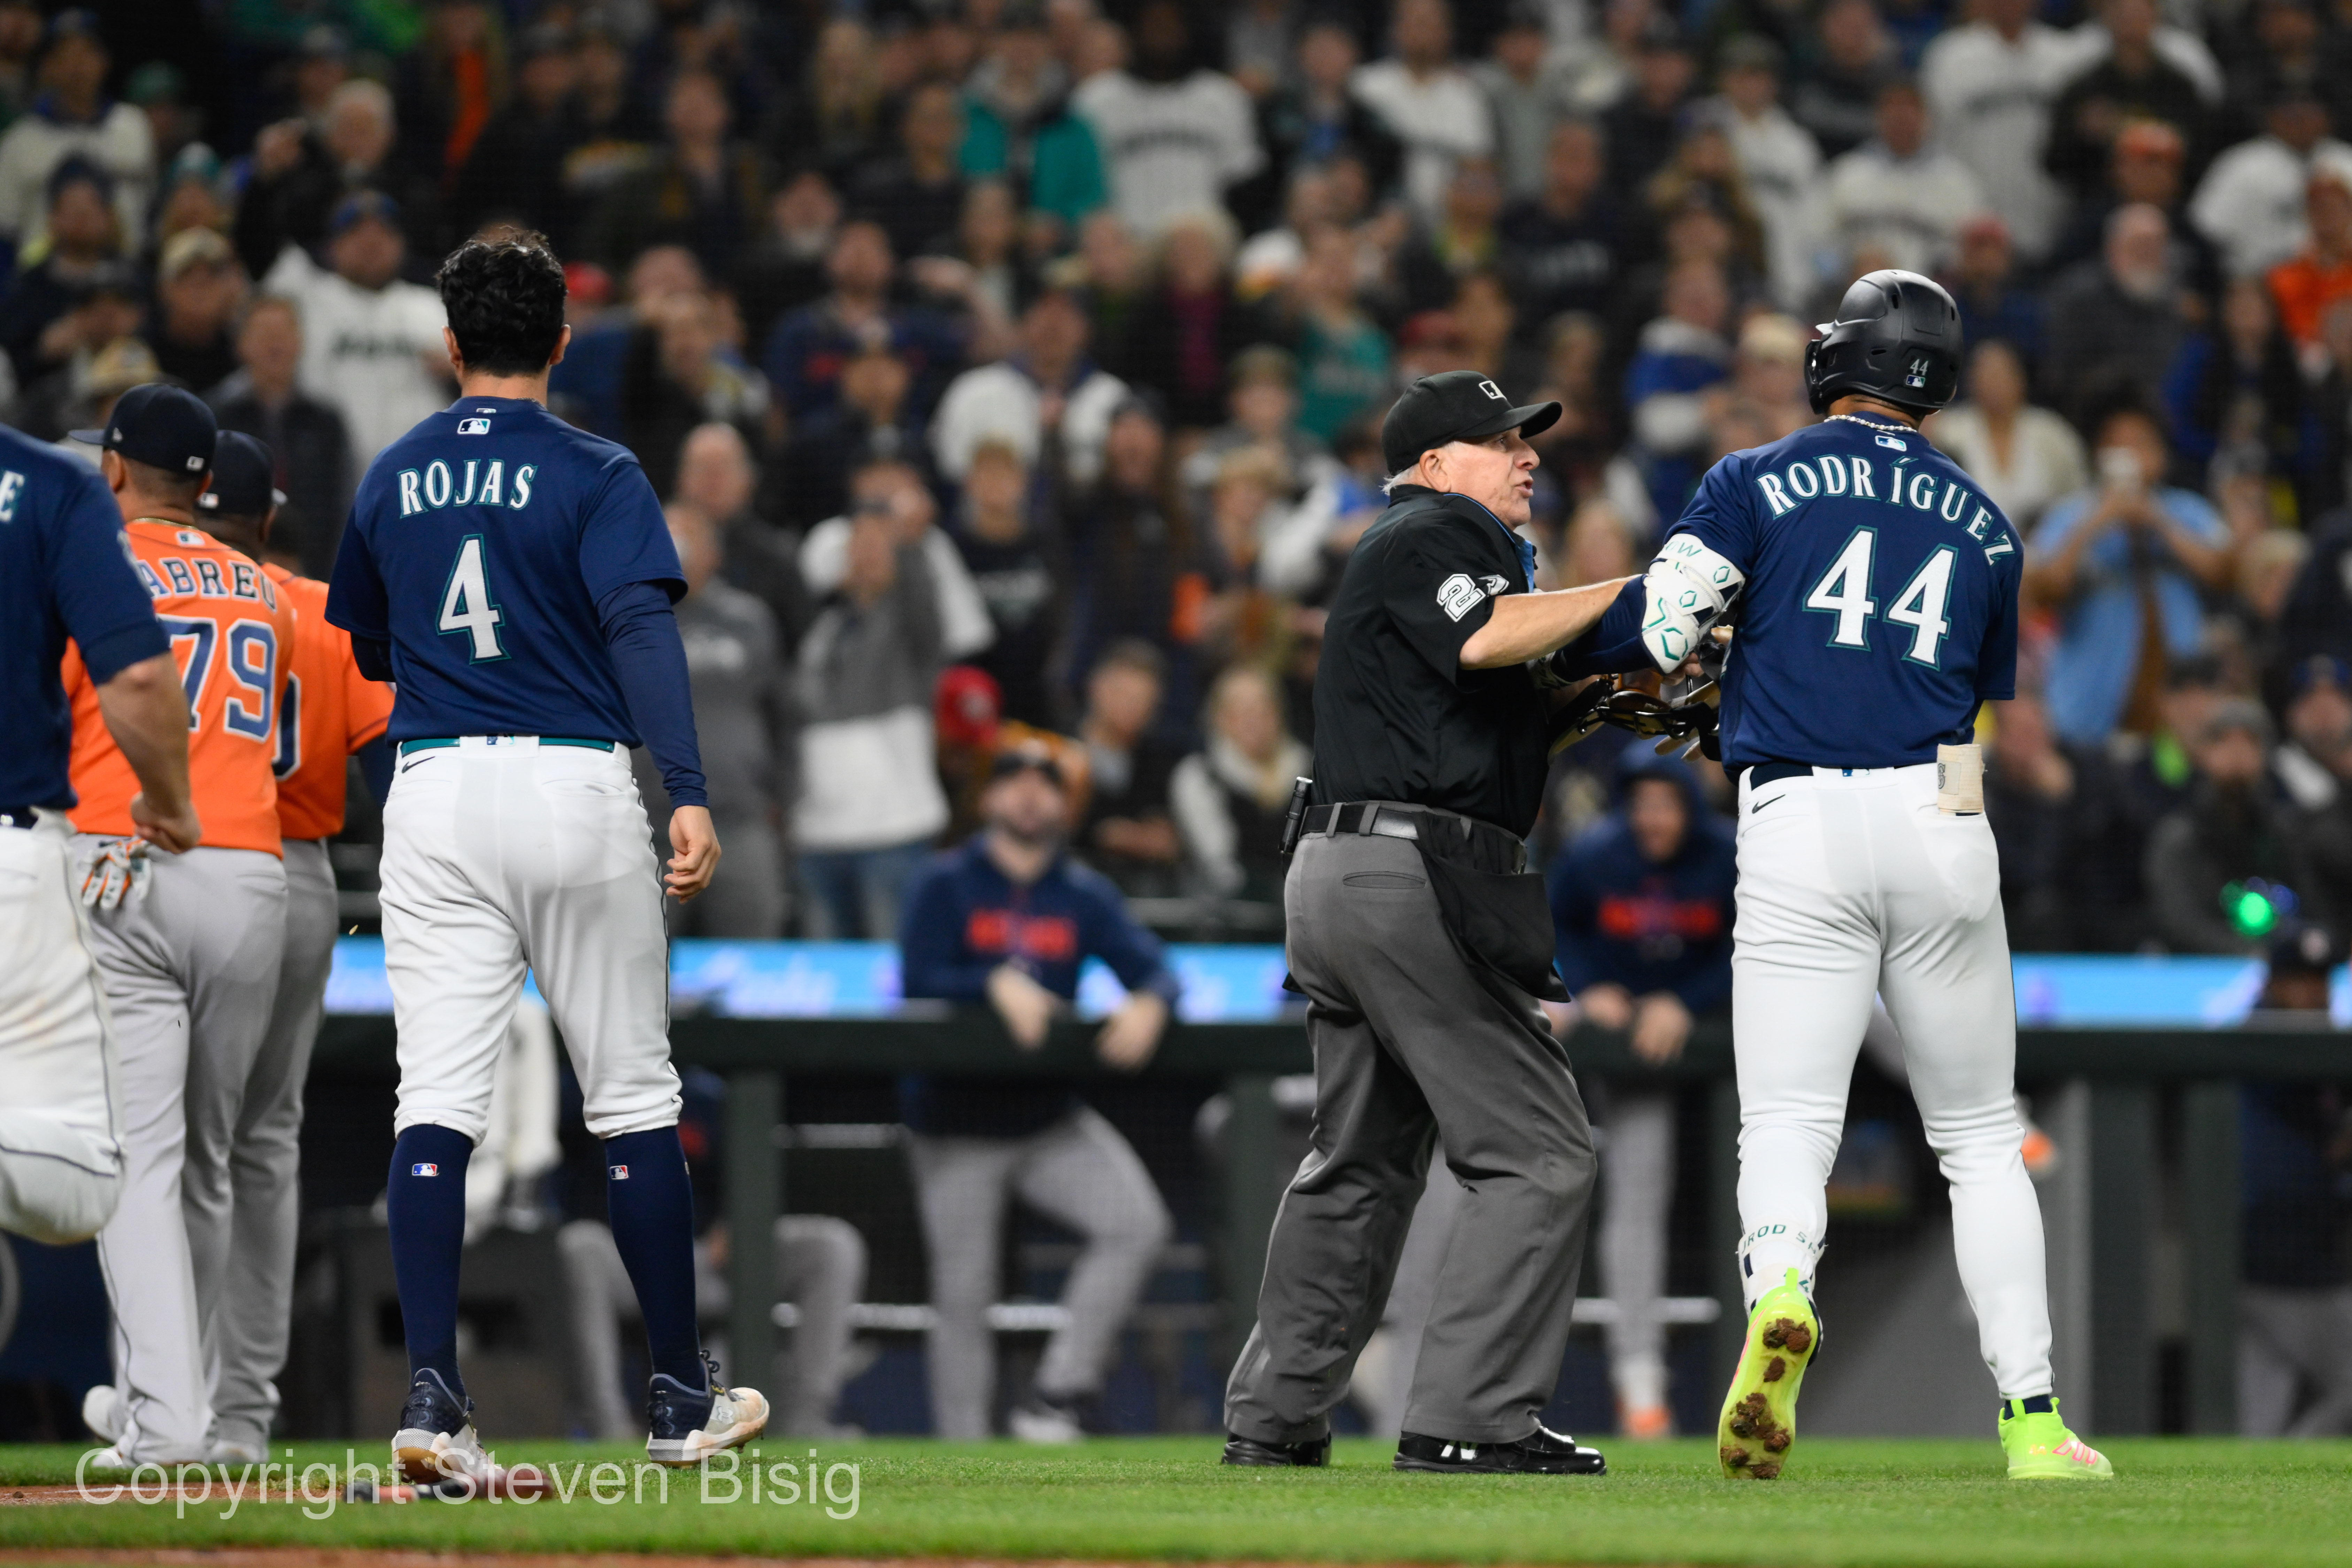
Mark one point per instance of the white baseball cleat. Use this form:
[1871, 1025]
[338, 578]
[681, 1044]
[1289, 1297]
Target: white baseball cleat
[437, 1440]
[685, 1427]
[101, 1412]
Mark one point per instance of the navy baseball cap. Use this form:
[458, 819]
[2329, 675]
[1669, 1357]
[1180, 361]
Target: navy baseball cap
[1455, 405]
[243, 478]
[166, 427]
[360, 206]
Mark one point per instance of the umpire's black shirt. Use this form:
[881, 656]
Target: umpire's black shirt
[1396, 716]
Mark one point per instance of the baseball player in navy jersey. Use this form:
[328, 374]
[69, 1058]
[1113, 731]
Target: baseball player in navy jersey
[1876, 592]
[514, 577]
[66, 572]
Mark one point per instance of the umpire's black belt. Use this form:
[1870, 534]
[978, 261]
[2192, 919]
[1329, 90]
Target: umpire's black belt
[1492, 846]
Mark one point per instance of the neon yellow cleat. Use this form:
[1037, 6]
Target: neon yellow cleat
[1759, 1413]
[2040, 1447]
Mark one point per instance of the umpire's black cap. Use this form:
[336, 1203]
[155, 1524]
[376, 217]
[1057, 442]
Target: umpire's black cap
[166, 427]
[243, 479]
[1455, 405]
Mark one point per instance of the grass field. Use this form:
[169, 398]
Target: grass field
[2179, 1502]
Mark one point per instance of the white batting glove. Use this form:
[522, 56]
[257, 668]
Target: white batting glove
[117, 875]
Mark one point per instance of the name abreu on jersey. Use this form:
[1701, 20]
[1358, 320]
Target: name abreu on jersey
[1858, 476]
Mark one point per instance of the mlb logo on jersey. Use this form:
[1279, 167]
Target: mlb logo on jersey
[473, 426]
[424, 1168]
[618, 1173]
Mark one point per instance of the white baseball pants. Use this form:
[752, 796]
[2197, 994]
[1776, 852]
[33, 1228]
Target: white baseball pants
[507, 854]
[1852, 883]
[191, 974]
[60, 1113]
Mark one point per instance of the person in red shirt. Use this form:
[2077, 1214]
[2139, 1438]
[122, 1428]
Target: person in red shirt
[329, 713]
[2322, 274]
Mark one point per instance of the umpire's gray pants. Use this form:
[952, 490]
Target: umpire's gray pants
[1078, 1172]
[247, 1335]
[1411, 1043]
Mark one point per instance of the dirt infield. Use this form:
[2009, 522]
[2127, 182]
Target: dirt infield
[345, 1557]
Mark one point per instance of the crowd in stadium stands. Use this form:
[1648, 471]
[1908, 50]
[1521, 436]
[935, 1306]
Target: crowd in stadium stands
[1013, 371]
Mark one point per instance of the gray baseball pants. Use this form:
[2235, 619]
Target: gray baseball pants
[1412, 1044]
[191, 974]
[248, 1334]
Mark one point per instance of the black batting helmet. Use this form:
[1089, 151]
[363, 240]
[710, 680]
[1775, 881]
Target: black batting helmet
[1897, 338]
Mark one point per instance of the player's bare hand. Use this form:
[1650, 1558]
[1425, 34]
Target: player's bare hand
[696, 860]
[176, 831]
[1605, 1006]
[1130, 1034]
[1661, 1026]
[1026, 1007]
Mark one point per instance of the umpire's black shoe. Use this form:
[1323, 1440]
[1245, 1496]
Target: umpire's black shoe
[1313, 1454]
[1541, 1452]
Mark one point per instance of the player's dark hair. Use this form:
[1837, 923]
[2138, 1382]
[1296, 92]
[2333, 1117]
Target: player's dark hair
[503, 293]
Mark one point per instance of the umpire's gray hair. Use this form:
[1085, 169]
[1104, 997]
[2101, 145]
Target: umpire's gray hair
[1401, 476]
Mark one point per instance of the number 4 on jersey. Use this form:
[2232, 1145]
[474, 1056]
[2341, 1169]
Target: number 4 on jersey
[467, 605]
[1843, 591]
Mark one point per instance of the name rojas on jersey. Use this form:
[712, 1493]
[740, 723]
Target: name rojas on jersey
[435, 486]
[1855, 476]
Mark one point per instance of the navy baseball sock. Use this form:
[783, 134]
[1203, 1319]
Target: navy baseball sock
[652, 1207]
[424, 1206]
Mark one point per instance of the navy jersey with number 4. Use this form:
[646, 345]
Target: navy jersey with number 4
[480, 546]
[1881, 602]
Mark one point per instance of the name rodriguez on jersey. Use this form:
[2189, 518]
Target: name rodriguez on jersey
[1856, 476]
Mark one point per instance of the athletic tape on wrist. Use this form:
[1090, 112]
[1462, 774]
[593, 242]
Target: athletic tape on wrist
[1688, 587]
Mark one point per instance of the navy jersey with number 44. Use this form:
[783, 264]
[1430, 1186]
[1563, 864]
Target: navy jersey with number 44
[1881, 602]
[480, 546]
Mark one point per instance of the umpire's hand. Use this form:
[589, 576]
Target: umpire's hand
[697, 843]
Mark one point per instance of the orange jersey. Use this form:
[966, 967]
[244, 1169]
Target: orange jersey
[330, 710]
[231, 633]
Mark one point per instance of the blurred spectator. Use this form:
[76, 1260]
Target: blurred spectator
[1007, 919]
[192, 197]
[1585, 439]
[874, 418]
[2294, 1294]
[73, 118]
[371, 343]
[1343, 358]
[448, 85]
[1463, 241]
[20, 42]
[1765, 397]
[2251, 204]
[78, 394]
[2049, 803]
[1046, 392]
[1899, 194]
[716, 477]
[678, 375]
[301, 172]
[2119, 318]
[1257, 44]
[897, 487]
[808, 347]
[1133, 565]
[1174, 135]
[198, 286]
[2230, 830]
[1013, 566]
[1985, 285]
[1188, 330]
[2147, 167]
[743, 712]
[2022, 456]
[1644, 127]
[1641, 910]
[1836, 96]
[1681, 355]
[1263, 408]
[1127, 831]
[2321, 274]
[987, 240]
[869, 802]
[918, 195]
[514, 171]
[2132, 81]
[40, 324]
[2319, 616]
[1229, 798]
[1316, 118]
[1019, 127]
[700, 189]
[306, 438]
[2238, 396]
[1525, 94]
[784, 269]
[1780, 164]
[1432, 107]
[2122, 565]
[1566, 250]
[1991, 85]
[836, 114]
[2315, 761]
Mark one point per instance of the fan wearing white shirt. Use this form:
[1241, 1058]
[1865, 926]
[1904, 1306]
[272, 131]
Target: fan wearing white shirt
[1900, 194]
[1432, 105]
[1990, 86]
[2249, 202]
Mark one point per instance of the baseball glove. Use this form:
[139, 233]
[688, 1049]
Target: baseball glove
[117, 875]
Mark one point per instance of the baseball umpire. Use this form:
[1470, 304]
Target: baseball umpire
[1876, 595]
[1432, 736]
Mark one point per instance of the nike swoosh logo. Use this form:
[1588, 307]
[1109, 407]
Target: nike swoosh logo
[1762, 804]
